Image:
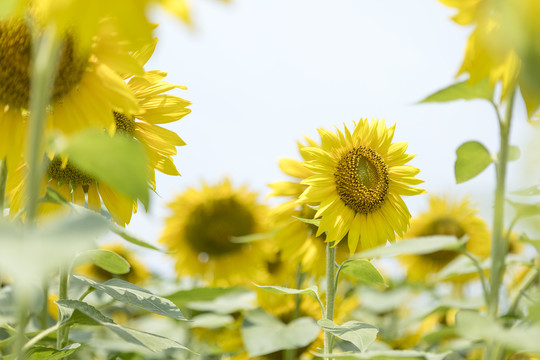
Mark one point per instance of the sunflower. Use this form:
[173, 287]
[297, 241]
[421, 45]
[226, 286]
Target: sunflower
[503, 46]
[445, 218]
[137, 274]
[201, 227]
[357, 182]
[160, 144]
[296, 239]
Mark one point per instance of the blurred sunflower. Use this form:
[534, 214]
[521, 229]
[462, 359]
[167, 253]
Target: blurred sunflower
[445, 218]
[201, 227]
[296, 239]
[357, 182]
[137, 274]
[88, 89]
[160, 144]
[503, 46]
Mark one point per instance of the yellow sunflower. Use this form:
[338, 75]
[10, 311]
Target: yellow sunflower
[503, 45]
[137, 274]
[201, 227]
[445, 218]
[296, 239]
[160, 144]
[357, 182]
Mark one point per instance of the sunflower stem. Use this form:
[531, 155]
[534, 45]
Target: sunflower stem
[46, 54]
[63, 332]
[290, 354]
[499, 243]
[330, 293]
[43, 316]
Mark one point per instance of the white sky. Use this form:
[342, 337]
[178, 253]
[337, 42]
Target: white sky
[263, 73]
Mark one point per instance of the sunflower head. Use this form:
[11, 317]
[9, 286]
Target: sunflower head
[357, 181]
[202, 228]
[445, 218]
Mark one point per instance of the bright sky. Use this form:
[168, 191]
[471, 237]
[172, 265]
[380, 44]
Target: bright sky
[262, 74]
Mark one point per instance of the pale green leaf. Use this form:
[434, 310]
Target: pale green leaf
[263, 333]
[312, 291]
[315, 222]
[530, 191]
[45, 353]
[356, 332]
[389, 355]
[226, 304]
[525, 210]
[120, 231]
[128, 293]
[513, 153]
[211, 321]
[120, 161]
[53, 196]
[418, 246]
[107, 260]
[82, 313]
[363, 271]
[463, 91]
[182, 297]
[472, 159]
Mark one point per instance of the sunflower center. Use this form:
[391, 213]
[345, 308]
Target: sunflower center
[68, 173]
[361, 178]
[15, 59]
[124, 124]
[443, 226]
[210, 226]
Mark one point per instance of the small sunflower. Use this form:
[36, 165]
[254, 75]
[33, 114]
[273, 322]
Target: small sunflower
[200, 229]
[137, 274]
[297, 240]
[357, 182]
[445, 218]
[160, 144]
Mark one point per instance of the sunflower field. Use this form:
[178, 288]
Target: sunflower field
[360, 180]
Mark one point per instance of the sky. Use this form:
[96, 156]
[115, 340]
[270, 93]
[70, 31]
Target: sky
[262, 74]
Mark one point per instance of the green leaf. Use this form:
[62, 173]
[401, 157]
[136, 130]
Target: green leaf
[252, 237]
[513, 153]
[525, 210]
[107, 260]
[211, 321]
[120, 161]
[389, 355]
[53, 196]
[530, 191]
[463, 91]
[315, 222]
[226, 304]
[263, 333]
[182, 297]
[128, 293]
[472, 159]
[312, 291]
[475, 326]
[120, 231]
[356, 332]
[418, 246]
[363, 271]
[78, 312]
[45, 353]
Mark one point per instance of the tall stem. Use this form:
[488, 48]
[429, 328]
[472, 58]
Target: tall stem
[290, 354]
[330, 292]
[499, 244]
[63, 332]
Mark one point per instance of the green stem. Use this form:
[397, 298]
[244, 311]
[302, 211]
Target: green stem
[46, 53]
[483, 279]
[86, 293]
[290, 354]
[330, 292]
[22, 320]
[499, 244]
[44, 315]
[41, 335]
[529, 280]
[63, 332]
[3, 178]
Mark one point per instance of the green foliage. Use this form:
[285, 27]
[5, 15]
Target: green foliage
[227, 303]
[463, 91]
[389, 355]
[107, 260]
[363, 271]
[360, 334]
[45, 353]
[529, 191]
[78, 312]
[211, 321]
[525, 210]
[182, 297]
[312, 291]
[100, 155]
[472, 159]
[134, 295]
[264, 334]
[315, 222]
[418, 246]
[120, 231]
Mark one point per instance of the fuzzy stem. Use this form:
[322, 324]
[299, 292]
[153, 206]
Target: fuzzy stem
[330, 292]
[63, 332]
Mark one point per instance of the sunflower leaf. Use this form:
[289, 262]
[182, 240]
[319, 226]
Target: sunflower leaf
[105, 259]
[388, 355]
[363, 271]
[525, 210]
[118, 161]
[462, 91]
[182, 297]
[360, 334]
[120, 231]
[79, 312]
[263, 333]
[134, 295]
[530, 191]
[312, 291]
[315, 222]
[472, 159]
[47, 353]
